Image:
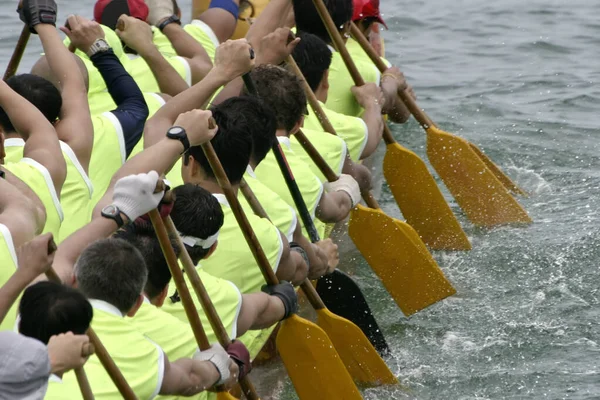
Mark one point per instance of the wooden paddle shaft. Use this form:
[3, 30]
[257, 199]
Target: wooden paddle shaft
[408, 101]
[240, 216]
[84, 384]
[182, 289]
[105, 359]
[15, 60]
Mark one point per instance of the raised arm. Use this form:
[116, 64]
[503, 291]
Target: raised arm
[272, 17]
[231, 61]
[341, 197]
[138, 35]
[41, 142]
[75, 126]
[131, 111]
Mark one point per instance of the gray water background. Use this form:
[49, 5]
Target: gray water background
[520, 80]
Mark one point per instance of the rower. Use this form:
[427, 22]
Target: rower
[361, 134]
[112, 274]
[282, 92]
[340, 97]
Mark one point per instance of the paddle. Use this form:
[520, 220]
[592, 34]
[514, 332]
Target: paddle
[15, 60]
[162, 232]
[98, 348]
[347, 291]
[357, 353]
[414, 189]
[308, 354]
[478, 189]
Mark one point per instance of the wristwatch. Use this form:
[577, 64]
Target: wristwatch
[178, 133]
[173, 18]
[298, 249]
[99, 46]
[112, 212]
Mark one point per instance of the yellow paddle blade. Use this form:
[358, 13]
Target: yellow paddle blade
[313, 364]
[421, 201]
[502, 177]
[226, 396]
[483, 198]
[411, 277]
[358, 354]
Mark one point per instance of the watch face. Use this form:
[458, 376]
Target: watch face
[176, 130]
[110, 210]
[103, 44]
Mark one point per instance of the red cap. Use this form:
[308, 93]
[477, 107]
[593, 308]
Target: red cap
[107, 12]
[367, 8]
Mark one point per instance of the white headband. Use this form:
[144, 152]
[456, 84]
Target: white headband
[193, 241]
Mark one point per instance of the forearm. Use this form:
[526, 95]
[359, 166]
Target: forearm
[232, 89]
[316, 257]
[359, 172]
[271, 18]
[265, 310]
[71, 248]
[191, 377]
[10, 291]
[374, 122]
[169, 81]
[394, 107]
[186, 46]
[293, 269]
[193, 98]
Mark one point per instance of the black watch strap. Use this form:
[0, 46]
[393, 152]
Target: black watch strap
[115, 215]
[298, 249]
[172, 19]
[178, 133]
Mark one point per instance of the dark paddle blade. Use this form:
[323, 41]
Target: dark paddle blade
[343, 297]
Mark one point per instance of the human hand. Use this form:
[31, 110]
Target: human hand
[135, 33]
[82, 32]
[36, 256]
[159, 10]
[217, 355]
[368, 94]
[411, 92]
[348, 184]
[68, 351]
[286, 293]
[331, 251]
[239, 353]
[234, 58]
[197, 125]
[394, 74]
[274, 48]
[35, 12]
[134, 194]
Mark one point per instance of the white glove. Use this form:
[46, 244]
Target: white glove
[159, 10]
[134, 194]
[347, 184]
[217, 355]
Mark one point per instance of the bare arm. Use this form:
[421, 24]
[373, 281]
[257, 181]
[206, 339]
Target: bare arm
[187, 377]
[138, 35]
[292, 267]
[190, 49]
[334, 207]
[271, 18]
[75, 126]
[394, 107]
[259, 311]
[316, 257]
[41, 142]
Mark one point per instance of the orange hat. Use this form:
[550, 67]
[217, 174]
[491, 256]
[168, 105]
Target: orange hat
[366, 9]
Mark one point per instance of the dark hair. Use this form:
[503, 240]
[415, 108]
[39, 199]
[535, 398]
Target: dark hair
[49, 308]
[282, 91]
[232, 143]
[196, 213]
[112, 270]
[38, 91]
[143, 237]
[313, 58]
[308, 19]
[263, 127]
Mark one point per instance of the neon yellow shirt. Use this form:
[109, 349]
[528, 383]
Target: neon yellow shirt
[233, 260]
[8, 258]
[140, 359]
[280, 213]
[61, 389]
[353, 130]
[332, 149]
[205, 35]
[310, 185]
[37, 177]
[76, 192]
[340, 97]
[141, 73]
[225, 296]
